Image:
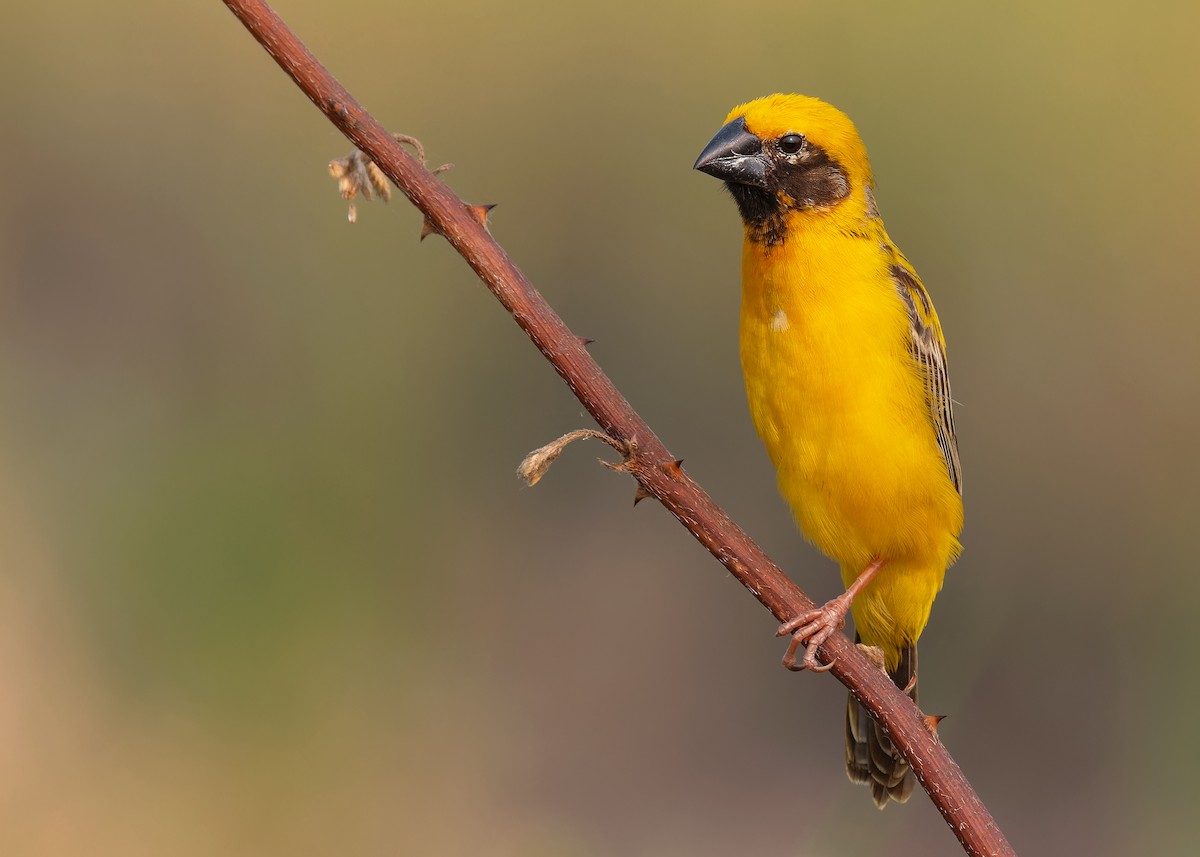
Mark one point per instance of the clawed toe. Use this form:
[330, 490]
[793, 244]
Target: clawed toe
[796, 624]
[811, 629]
[874, 655]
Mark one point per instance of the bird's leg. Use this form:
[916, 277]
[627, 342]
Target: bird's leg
[813, 627]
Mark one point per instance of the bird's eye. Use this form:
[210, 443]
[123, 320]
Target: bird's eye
[791, 144]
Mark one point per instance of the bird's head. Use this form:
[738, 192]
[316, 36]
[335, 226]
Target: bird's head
[785, 157]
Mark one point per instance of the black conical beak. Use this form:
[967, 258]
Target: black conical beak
[734, 155]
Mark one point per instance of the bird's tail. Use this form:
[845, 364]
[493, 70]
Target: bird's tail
[871, 758]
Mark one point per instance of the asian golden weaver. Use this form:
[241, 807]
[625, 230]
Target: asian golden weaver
[845, 372]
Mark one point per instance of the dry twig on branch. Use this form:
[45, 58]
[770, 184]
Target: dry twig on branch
[657, 472]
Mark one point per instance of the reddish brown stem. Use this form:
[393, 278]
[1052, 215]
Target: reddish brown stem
[646, 459]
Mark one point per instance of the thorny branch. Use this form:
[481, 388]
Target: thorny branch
[658, 473]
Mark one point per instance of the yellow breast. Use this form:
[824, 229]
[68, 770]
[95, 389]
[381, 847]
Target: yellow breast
[840, 404]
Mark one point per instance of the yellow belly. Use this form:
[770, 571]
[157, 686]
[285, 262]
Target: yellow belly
[841, 407]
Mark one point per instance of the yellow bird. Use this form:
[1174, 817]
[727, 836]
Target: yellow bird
[845, 369]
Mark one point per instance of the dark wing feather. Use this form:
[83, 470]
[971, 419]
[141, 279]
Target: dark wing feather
[928, 349]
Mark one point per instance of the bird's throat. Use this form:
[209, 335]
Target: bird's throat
[763, 214]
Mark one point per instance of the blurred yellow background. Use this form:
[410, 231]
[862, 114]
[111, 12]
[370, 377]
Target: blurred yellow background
[269, 584]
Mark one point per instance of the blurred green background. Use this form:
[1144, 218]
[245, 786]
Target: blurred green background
[269, 584]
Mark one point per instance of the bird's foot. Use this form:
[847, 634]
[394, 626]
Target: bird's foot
[874, 655]
[811, 629]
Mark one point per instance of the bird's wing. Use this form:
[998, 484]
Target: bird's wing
[928, 349]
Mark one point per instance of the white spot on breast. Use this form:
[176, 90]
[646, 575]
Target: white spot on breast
[779, 321]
